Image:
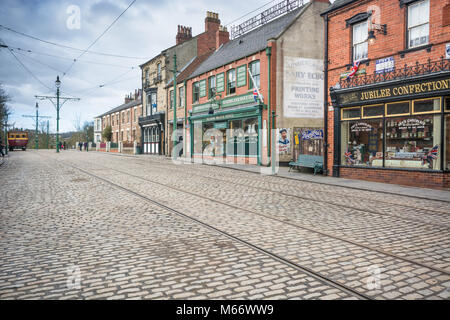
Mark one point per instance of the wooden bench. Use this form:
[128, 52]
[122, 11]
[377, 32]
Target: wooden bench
[308, 161]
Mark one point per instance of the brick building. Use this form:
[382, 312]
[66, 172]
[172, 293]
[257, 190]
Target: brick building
[157, 74]
[226, 122]
[389, 122]
[124, 119]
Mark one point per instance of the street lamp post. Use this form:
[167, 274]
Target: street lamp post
[6, 135]
[58, 106]
[58, 85]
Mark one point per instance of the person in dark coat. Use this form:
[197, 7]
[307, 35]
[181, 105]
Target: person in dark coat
[80, 145]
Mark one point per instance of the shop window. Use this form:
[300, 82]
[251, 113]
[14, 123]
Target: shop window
[236, 138]
[231, 81]
[376, 111]
[397, 108]
[256, 73]
[426, 106]
[360, 43]
[198, 138]
[410, 142]
[362, 143]
[195, 92]
[251, 136]
[447, 104]
[418, 24]
[351, 113]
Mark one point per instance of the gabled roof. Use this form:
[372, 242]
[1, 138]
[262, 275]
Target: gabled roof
[247, 44]
[336, 5]
[122, 107]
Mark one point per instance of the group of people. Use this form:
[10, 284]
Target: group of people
[83, 144]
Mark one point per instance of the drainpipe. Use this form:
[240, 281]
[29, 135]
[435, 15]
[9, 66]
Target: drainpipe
[185, 119]
[269, 105]
[325, 103]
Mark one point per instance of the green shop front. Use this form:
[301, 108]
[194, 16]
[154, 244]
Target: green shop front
[228, 130]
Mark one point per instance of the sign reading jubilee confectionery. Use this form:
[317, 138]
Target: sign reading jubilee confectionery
[303, 88]
[403, 90]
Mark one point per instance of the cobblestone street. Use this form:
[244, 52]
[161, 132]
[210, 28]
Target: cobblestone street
[98, 226]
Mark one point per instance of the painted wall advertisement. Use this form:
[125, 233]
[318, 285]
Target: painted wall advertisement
[303, 88]
[284, 142]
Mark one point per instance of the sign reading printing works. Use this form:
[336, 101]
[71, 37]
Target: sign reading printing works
[401, 90]
[303, 88]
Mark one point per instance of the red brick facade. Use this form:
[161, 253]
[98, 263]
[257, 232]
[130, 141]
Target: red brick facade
[393, 44]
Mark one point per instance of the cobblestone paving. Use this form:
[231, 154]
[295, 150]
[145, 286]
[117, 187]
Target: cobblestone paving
[120, 242]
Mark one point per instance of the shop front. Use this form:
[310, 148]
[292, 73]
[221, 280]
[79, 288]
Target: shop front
[152, 134]
[227, 131]
[394, 131]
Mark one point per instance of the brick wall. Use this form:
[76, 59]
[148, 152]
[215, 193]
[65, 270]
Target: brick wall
[408, 178]
[390, 45]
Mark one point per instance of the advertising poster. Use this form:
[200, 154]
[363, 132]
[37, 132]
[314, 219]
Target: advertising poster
[303, 88]
[284, 142]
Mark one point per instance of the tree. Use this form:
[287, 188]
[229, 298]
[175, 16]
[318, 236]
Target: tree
[88, 128]
[107, 133]
[5, 111]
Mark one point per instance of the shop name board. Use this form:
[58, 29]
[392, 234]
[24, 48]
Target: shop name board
[406, 90]
[231, 116]
[395, 91]
[226, 103]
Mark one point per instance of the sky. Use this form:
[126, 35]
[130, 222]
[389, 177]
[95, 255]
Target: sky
[142, 32]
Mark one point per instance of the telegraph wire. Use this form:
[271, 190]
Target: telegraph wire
[98, 38]
[69, 47]
[22, 50]
[28, 70]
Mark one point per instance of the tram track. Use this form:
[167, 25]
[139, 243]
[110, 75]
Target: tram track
[316, 275]
[364, 200]
[296, 225]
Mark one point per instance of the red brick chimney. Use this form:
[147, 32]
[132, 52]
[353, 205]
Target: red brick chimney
[212, 22]
[222, 36]
[128, 98]
[184, 34]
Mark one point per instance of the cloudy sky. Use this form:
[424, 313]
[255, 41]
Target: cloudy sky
[146, 29]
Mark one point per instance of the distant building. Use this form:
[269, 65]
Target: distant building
[98, 129]
[124, 119]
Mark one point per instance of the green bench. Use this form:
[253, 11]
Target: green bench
[308, 161]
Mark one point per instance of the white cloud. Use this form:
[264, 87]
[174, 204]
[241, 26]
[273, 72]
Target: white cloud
[146, 29]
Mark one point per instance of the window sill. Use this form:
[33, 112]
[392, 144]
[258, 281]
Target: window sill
[425, 47]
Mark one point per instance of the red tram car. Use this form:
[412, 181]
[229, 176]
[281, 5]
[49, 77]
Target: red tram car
[17, 140]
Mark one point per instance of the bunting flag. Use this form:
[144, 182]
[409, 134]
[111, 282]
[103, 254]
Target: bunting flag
[431, 155]
[255, 90]
[354, 69]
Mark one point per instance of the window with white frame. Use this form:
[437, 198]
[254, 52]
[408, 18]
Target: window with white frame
[360, 43]
[418, 23]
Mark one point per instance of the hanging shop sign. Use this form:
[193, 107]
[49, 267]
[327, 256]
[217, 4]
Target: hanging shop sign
[303, 88]
[384, 65]
[312, 135]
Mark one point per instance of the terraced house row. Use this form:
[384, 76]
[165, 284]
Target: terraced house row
[360, 86]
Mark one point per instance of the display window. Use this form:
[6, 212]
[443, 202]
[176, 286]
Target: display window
[362, 143]
[405, 134]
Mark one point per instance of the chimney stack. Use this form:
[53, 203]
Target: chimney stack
[222, 36]
[184, 34]
[128, 98]
[212, 22]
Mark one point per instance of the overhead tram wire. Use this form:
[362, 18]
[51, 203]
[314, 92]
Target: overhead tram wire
[69, 47]
[28, 70]
[98, 38]
[22, 50]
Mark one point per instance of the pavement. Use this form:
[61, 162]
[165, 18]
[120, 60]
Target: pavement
[88, 225]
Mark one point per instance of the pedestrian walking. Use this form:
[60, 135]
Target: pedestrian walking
[80, 145]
